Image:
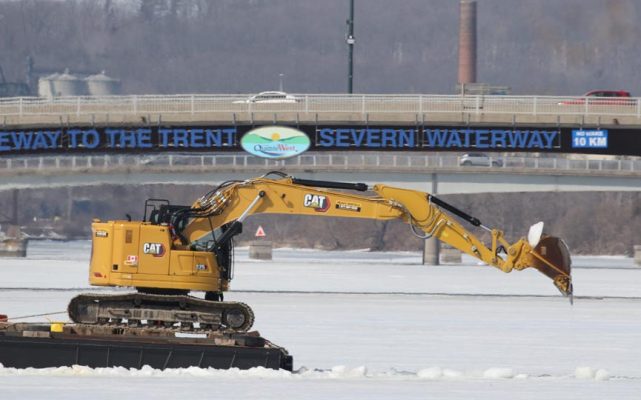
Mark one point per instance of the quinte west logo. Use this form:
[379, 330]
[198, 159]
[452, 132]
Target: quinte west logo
[318, 202]
[275, 142]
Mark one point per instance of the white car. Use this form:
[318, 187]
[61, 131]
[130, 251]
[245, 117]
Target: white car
[480, 160]
[270, 97]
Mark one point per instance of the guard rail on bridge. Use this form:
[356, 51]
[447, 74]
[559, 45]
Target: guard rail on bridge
[327, 107]
[363, 161]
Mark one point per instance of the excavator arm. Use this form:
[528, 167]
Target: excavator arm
[427, 216]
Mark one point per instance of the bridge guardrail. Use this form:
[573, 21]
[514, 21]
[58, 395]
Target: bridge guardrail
[378, 162]
[193, 104]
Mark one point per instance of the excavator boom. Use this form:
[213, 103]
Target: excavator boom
[426, 215]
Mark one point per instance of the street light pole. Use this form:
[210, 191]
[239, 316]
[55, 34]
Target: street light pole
[350, 45]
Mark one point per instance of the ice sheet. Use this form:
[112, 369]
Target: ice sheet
[349, 343]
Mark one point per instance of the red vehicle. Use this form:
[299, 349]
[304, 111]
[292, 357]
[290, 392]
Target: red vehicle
[603, 97]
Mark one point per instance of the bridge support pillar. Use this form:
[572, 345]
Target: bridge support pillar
[451, 255]
[431, 250]
[260, 250]
[637, 254]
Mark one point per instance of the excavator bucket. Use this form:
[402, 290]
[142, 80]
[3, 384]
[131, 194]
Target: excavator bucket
[551, 257]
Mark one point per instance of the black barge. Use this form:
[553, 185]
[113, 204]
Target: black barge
[24, 345]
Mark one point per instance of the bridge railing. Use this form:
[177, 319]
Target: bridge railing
[319, 104]
[376, 162]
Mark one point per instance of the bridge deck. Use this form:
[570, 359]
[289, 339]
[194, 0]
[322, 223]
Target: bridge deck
[308, 108]
[419, 171]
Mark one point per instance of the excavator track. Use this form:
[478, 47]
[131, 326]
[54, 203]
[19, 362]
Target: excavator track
[157, 310]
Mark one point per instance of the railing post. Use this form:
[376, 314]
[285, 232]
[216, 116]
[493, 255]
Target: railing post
[534, 102]
[478, 104]
[306, 103]
[363, 105]
[420, 104]
[135, 104]
[192, 104]
[78, 106]
[20, 107]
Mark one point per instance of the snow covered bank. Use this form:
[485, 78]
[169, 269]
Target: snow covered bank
[337, 373]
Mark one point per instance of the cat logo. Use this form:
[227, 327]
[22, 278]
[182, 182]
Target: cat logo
[155, 249]
[318, 202]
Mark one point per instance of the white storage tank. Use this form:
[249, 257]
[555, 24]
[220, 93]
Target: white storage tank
[102, 85]
[69, 85]
[45, 86]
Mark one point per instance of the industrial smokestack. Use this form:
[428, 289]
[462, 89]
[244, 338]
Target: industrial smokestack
[467, 42]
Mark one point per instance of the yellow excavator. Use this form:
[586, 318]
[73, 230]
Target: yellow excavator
[178, 249]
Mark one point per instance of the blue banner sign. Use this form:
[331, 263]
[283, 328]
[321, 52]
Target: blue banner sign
[277, 142]
[592, 139]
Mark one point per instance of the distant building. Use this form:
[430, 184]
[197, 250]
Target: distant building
[67, 84]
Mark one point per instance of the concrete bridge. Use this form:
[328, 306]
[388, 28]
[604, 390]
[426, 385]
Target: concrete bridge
[421, 170]
[434, 172]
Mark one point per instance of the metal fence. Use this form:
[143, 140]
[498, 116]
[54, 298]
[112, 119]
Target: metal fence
[376, 162]
[196, 104]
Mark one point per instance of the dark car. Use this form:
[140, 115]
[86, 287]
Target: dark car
[603, 97]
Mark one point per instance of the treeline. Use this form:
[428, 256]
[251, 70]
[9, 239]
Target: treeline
[589, 222]
[241, 46]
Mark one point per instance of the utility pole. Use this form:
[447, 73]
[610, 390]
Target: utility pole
[350, 45]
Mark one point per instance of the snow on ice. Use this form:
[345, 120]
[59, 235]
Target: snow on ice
[375, 326]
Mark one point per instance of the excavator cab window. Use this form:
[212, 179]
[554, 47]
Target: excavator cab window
[161, 211]
[154, 205]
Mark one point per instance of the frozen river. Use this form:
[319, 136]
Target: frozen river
[375, 326]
